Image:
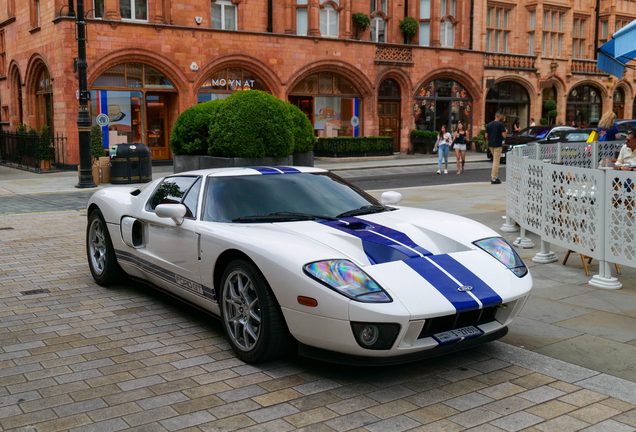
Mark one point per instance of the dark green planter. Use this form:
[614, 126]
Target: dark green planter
[423, 145]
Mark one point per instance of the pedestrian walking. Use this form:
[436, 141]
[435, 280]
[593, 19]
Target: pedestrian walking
[443, 144]
[496, 134]
[515, 127]
[459, 144]
[607, 128]
[532, 123]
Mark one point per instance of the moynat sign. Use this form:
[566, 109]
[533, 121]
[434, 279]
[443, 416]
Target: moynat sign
[233, 83]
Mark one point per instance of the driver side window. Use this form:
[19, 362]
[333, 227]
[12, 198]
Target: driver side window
[175, 190]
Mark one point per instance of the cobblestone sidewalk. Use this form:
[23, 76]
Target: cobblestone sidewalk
[76, 356]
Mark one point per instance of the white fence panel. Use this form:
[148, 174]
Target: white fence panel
[532, 195]
[620, 239]
[548, 152]
[514, 184]
[574, 203]
[577, 154]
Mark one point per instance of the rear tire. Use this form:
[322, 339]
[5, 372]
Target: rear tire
[100, 251]
[251, 316]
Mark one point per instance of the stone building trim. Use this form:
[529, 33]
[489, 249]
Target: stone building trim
[151, 58]
[246, 62]
[37, 62]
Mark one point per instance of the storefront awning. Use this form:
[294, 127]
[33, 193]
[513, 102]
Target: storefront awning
[615, 54]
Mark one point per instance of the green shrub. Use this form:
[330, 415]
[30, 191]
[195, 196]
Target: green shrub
[553, 114]
[46, 151]
[362, 22]
[97, 143]
[304, 138]
[251, 124]
[550, 105]
[481, 141]
[543, 121]
[190, 132]
[22, 128]
[423, 134]
[408, 27]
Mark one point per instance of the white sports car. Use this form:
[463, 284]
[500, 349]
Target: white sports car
[298, 258]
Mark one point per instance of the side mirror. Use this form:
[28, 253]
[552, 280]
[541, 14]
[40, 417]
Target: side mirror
[391, 198]
[176, 212]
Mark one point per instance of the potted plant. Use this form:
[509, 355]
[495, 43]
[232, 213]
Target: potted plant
[46, 151]
[362, 22]
[423, 141]
[408, 27]
[481, 143]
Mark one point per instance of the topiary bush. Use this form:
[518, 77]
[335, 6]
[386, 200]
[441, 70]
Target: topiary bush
[97, 145]
[543, 121]
[191, 130]
[304, 138]
[251, 124]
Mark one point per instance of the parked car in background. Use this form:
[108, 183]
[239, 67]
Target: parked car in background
[532, 134]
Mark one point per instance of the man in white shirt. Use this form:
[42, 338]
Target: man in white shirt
[627, 155]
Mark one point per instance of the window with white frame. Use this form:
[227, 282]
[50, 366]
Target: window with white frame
[329, 23]
[301, 17]
[578, 39]
[531, 29]
[378, 24]
[552, 42]
[498, 30]
[223, 15]
[98, 8]
[134, 9]
[425, 22]
[447, 28]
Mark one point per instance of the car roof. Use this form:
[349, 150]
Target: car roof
[243, 171]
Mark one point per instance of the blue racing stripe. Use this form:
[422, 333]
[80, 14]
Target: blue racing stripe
[481, 290]
[462, 301]
[288, 170]
[265, 170]
[381, 244]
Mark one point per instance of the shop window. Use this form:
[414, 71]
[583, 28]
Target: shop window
[223, 15]
[301, 17]
[510, 99]
[98, 8]
[443, 102]
[332, 103]
[224, 82]
[578, 39]
[425, 22]
[498, 31]
[584, 106]
[133, 75]
[134, 9]
[329, 20]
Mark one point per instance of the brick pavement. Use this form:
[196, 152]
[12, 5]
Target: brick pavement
[81, 357]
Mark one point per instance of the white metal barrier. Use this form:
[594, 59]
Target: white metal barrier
[568, 194]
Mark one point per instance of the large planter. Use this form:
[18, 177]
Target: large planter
[182, 163]
[423, 145]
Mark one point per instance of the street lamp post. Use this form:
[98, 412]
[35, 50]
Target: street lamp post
[83, 118]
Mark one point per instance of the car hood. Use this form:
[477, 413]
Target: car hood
[421, 258]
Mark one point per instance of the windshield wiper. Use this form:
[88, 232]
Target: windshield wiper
[368, 209]
[282, 216]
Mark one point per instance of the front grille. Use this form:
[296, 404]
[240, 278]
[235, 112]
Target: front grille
[463, 319]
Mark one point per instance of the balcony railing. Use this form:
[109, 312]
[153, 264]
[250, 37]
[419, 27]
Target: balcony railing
[510, 61]
[586, 67]
[393, 54]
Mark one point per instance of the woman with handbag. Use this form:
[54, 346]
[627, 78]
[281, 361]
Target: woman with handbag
[442, 145]
[459, 144]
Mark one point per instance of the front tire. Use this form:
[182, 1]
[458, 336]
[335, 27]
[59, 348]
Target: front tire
[100, 251]
[251, 317]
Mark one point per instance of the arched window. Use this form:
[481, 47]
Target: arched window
[329, 19]
[134, 103]
[447, 33]
[224, 82]
[584, 105]
[443, 102]
[512, 100]
[378, 23]
[332, 103]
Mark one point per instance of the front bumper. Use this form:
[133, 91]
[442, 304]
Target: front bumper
[354, 360]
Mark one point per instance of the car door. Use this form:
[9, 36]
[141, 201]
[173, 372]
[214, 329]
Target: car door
[170, 257]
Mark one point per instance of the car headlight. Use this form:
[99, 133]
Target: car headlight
[348, 279]
[504, 253]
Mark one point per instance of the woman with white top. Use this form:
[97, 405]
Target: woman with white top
[443, 144]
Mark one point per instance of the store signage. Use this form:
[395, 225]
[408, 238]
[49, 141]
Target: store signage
[102, 120]
[355, 121]
[234, 83]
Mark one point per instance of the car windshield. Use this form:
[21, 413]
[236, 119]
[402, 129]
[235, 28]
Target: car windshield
[576, 137]
[254, 197]
[533, 132]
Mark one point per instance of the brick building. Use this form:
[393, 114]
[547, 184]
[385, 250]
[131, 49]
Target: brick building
[151, 59]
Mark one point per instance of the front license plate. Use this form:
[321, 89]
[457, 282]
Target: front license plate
[457, 334]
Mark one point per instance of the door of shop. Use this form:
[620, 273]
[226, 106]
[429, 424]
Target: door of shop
[157, 124]
[389, 120]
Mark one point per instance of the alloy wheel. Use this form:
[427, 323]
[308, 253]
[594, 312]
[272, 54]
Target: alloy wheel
[241, 310]
[97, 246]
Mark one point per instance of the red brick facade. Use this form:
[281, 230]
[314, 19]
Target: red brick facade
[171, 41]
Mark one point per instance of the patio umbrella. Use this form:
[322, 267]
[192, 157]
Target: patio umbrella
[620, 50]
